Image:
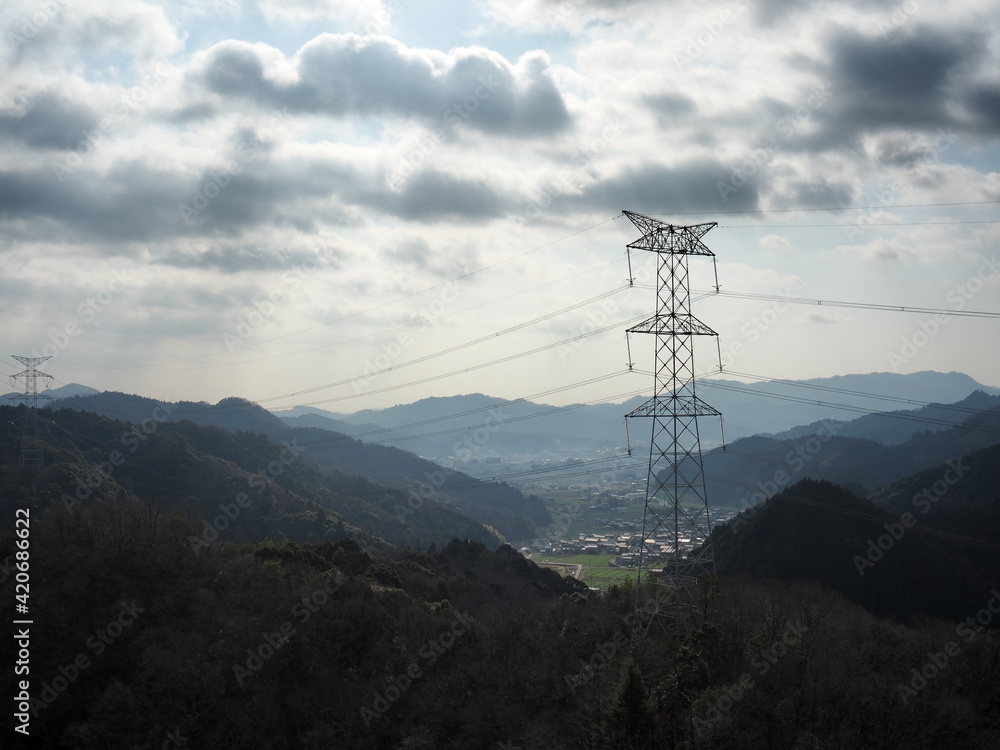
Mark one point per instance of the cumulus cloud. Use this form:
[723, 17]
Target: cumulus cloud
[662, 189]
[47, 120]
[349, 74]
[883, 83]
[58, 32]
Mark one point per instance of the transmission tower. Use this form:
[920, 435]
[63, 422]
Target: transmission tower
[31, 440]
[674, 549]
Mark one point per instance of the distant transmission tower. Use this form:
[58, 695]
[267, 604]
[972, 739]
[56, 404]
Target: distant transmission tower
[676, 524]
[31, 439]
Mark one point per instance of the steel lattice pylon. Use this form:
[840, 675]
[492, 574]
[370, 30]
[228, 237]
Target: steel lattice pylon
[31, 439]
[676, 525]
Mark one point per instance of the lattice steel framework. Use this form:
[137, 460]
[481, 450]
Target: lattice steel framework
[676, 523]
[31, 439]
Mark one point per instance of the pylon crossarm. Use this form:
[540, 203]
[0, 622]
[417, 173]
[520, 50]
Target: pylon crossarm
[666, 406]
[684, 324]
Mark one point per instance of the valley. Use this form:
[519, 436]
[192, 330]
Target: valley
[347, 590]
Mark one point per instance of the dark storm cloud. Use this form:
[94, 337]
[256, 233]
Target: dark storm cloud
[136, 203]
[816, 192]
[442, 259]
[348, 74]
[909, 81]
[655, 188]
[130, 203]
[238, 191]
[984, 104]
[433, 196]
[47, 120]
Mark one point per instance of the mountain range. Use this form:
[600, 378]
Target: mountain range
[504, 509]
[211, 572]
[438, 427]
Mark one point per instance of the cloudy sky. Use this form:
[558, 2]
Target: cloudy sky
[361, 204]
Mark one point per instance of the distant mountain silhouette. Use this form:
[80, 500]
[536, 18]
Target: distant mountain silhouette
[589, 430]
[66, 391]
[498, 505]
[753, 468]
[241, 486]
[894, 427]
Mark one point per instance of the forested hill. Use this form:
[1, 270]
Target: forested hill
[895, 427]
[756, 467]
[227, 487]
[927, 545]
[331, 647]
[498, 505]
[328, 644]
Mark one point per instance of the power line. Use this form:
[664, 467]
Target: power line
[464, 428]
[958, 538]
[405, 297]
[830, 208]
[508, 358]
[854, 305]
[867, 226]
[375, 334]
[817, 386]
[857, 409]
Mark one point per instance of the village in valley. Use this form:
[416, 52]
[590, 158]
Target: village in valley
[598, 532]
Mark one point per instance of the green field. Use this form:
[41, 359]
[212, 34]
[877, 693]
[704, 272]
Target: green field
[597, 572]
